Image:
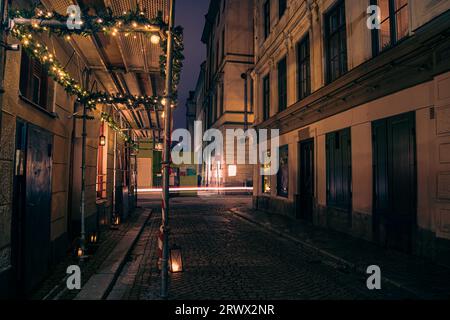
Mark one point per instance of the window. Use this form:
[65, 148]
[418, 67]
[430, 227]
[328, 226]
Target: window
[282, 85]
[394, 24]
[339, 169]
[266, 97]
[223, 44]
[266, 186]
[217, 55]
[34, 81]
[266, 19]
[304, 68]
[252, 94]
[336, 42]
[281, 8]
[283, 173]
[222, 98]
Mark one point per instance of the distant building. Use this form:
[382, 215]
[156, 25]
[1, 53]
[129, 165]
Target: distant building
[364, 118]
[228, 36]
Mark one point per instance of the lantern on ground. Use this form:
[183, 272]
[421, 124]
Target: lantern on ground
[176, 260]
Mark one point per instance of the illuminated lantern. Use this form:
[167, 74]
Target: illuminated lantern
[176, 260]
[93, 238]
[80, 252]
[102, 141]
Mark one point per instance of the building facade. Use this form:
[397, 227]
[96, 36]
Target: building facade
[363, 118]
[228, 36]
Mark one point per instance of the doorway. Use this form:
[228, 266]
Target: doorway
[32, 206]
[306, 199]
[395, 181]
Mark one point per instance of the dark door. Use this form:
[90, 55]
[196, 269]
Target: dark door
[33, 208]
[306, 205]
[395, 183]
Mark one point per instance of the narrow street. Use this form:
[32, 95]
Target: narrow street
[226, 257]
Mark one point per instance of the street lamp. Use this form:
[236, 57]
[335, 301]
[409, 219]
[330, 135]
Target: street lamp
[176, 260]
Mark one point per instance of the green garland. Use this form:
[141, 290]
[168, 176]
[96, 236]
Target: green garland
[178, 58]
[109, 120]
[105, 22]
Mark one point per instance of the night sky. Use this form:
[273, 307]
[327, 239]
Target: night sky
[191, 15]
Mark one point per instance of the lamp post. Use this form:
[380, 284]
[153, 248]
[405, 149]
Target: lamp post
[166, 154]
[86, 73]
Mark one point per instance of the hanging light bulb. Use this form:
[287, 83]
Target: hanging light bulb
[155, 38]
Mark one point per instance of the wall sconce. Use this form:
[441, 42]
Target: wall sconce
[80, 252]
[176, 260]
[116, 221]
[159, 147]
[10, 47]
[155, 38]
[102, 141]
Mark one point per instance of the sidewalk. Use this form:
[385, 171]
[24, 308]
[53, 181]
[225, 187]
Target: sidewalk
[114, 246]
[418, 276]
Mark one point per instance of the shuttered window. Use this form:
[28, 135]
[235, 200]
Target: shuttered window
[304, 68]
[266, 97]
[339, 169]
[266, 15]
[33, 81]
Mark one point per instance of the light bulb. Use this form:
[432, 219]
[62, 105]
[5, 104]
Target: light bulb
[155, 39]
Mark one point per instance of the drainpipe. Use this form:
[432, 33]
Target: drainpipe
[166, 154]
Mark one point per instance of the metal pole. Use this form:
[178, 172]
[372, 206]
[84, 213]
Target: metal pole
[166, 155]
[245, 77]
[83, 172]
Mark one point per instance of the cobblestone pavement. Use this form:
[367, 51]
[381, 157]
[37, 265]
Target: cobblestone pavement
[226, 257]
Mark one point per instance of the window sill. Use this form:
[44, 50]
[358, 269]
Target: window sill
[38, 107]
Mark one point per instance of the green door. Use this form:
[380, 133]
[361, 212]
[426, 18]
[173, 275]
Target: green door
[395, 186]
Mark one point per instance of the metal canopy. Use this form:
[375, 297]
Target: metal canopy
[124, 64]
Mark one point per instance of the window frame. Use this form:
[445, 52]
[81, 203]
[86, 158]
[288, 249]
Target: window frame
[282, 84]
[341, 29]
[339, 157]
[266, 19]
[393, 24]
[282, 6]
[266, 97]
[280, 193]
[28, 66]
[303, 90]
